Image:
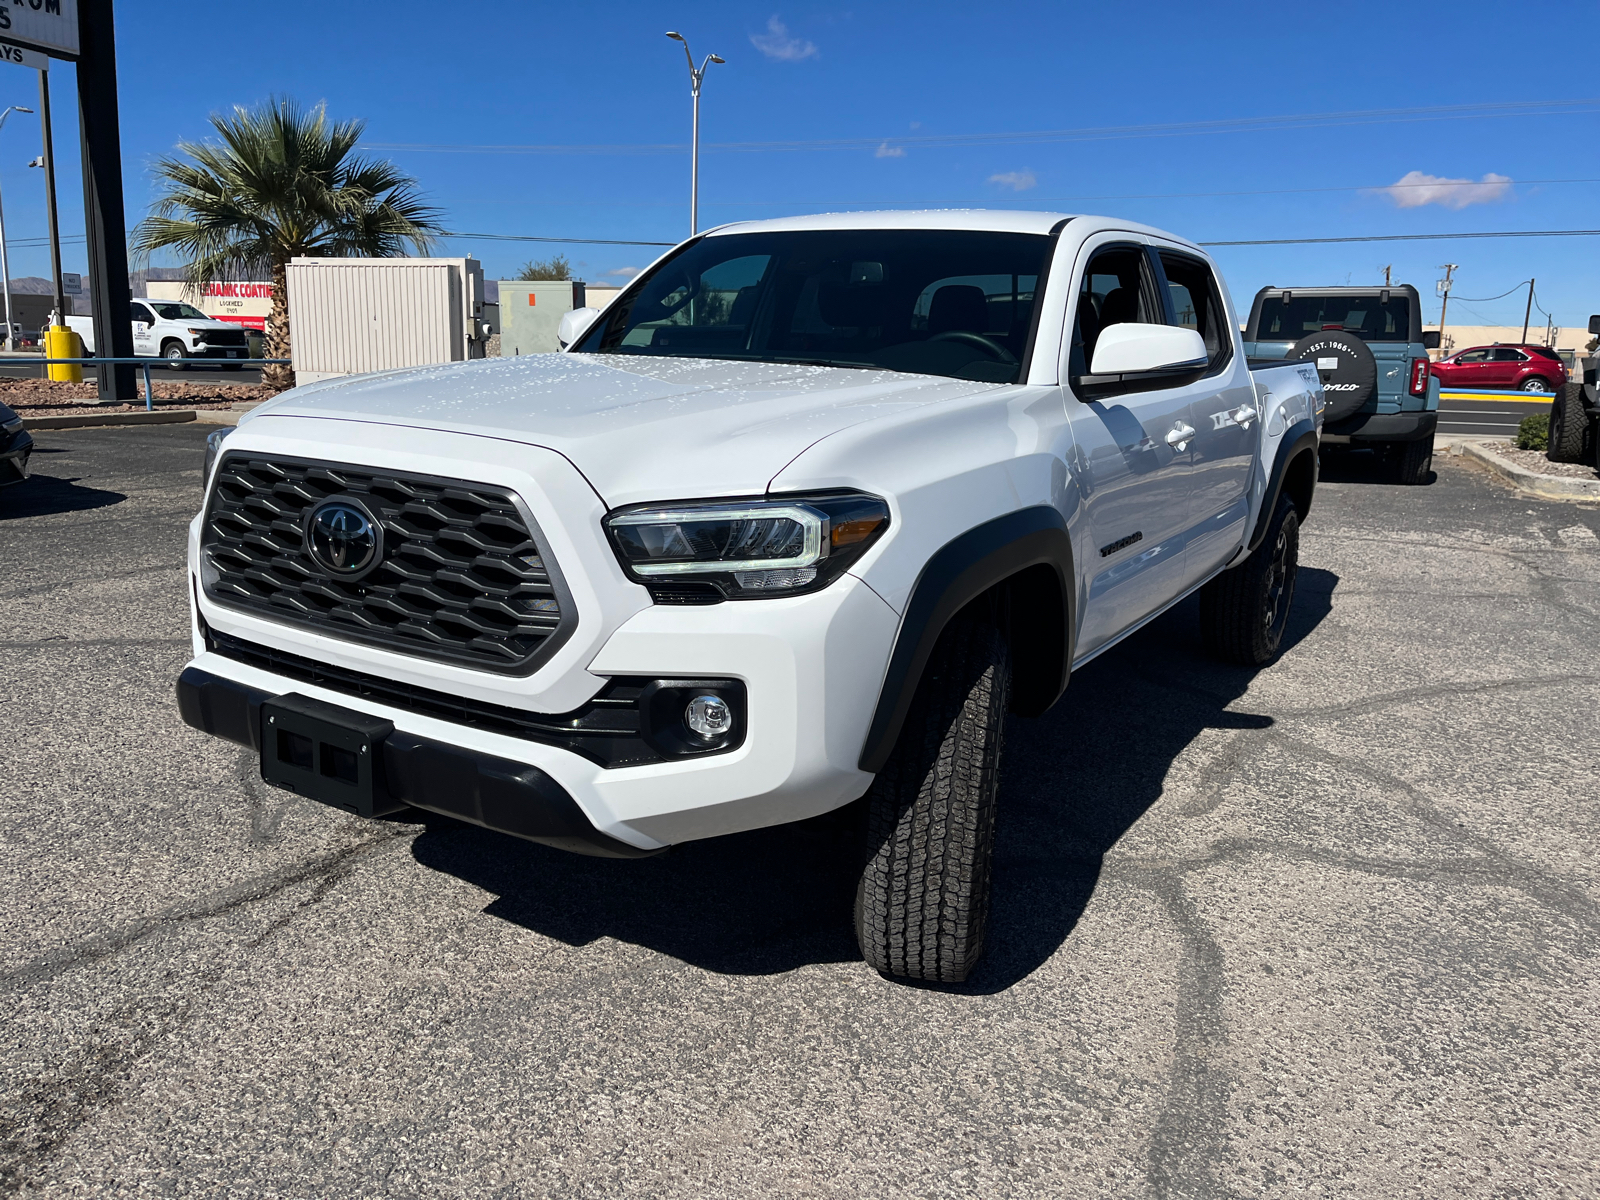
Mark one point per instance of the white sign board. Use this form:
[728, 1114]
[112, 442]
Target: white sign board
[24, 58]
[71, 284]
[48, 25]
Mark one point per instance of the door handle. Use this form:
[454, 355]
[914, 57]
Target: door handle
[1178, 439]
[1244, 414]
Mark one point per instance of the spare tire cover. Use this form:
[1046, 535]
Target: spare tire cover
[1348, 371]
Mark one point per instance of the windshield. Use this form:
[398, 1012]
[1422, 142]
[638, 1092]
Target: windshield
[177, 312]
[1366, 316]
[934, 302]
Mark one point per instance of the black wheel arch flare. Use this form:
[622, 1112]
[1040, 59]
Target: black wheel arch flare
[1030, 553]
[1299, 441]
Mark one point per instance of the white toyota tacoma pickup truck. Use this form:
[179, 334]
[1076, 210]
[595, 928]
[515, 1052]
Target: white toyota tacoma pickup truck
[798, 520]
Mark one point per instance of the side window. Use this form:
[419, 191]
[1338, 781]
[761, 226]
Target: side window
[141, 313]
[1197, 303]
[1115, 290]
[1473, 356]
[1506, 355]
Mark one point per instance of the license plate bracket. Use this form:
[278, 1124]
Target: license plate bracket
[326, 753]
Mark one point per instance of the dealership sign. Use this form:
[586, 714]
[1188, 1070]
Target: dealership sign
[48, 25]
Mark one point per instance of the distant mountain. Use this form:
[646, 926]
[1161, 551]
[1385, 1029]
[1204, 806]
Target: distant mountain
[32, 285]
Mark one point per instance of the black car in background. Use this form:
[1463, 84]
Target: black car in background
[16, 444]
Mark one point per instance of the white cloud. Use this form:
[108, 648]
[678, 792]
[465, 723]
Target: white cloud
[1017, 181]
[625, 272]
[1414, 189]
[888, 151]
[776, 43]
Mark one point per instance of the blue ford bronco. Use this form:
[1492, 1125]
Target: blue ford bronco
[1372, 354]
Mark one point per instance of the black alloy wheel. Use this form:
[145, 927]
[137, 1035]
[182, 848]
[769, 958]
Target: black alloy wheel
[1245, 610]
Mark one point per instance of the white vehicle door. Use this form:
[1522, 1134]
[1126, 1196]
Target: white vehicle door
[1222, 410]
[1130, 458]
[144, 323]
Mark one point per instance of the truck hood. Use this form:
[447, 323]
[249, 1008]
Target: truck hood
[638, 428]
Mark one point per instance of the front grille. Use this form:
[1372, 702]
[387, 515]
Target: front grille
[225, 337]
[461, 579]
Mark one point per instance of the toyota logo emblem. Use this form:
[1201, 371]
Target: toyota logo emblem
[342, 538]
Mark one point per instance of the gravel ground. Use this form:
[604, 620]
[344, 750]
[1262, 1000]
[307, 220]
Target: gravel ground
[45, 398]
[1327, 929]
[1535, 460]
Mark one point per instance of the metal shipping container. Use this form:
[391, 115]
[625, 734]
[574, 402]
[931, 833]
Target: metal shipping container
[352, 315]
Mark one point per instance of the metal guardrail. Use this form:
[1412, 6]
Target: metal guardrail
[146, 362]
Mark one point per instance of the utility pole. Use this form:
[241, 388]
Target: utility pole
[104, 219]
[1444, 284]
[695, 78]
[49, 165]
[1527, 313]
[1386, 271]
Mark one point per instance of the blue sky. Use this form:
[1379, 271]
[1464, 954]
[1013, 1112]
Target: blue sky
[911, 90]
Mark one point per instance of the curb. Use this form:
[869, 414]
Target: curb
[1548, 487]
[89, 420]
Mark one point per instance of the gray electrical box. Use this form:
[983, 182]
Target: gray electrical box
[530, 313]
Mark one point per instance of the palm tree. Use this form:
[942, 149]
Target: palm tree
[284, 181]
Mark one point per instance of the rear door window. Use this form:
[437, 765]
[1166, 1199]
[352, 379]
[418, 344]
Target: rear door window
[1507, 355]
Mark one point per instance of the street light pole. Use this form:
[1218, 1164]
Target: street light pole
[695, 78]
[5, 259]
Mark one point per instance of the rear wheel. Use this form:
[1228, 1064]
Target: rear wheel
[1413, 461]
[1569, 426]
[923, 901]
[174, 354]
[1537, 385]
[1244, 611]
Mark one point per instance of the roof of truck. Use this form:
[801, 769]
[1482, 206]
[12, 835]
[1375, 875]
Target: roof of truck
[987, 219]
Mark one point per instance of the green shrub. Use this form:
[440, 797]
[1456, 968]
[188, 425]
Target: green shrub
[556, 267]
[1534, 432]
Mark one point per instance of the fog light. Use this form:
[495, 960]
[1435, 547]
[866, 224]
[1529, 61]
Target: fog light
[708, 716]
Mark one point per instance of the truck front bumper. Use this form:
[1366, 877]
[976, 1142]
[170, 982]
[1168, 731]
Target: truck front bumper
[807, 671]
[1381, 427]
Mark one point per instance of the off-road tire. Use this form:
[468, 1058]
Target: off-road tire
[174, 362]
[1244, 611]
[1570, 436]
[923, 900]
[1412, 463]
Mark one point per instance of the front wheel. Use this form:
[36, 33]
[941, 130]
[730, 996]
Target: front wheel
[1244, 611]
[175, 355]
[923, 901]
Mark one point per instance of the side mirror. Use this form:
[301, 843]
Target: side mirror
[1131, 347]
[1430, 339]
[1594, 324]
[574, 324]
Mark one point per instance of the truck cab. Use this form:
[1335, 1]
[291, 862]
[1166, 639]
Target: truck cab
[1372, 355]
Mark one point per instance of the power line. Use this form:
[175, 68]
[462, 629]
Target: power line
[1375, 116]
[1411, 237]
[1516, 287]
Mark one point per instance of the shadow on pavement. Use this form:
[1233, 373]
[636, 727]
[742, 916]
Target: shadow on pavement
[39, 495]
[777, 899]
[1343, 465]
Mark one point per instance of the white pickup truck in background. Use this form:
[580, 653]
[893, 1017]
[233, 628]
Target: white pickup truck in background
[797, 520]
[174, 331]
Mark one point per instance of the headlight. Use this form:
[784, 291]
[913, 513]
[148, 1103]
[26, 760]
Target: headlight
[701, 553]
[213, 448]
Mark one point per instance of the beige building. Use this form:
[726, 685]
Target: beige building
[1459, 337]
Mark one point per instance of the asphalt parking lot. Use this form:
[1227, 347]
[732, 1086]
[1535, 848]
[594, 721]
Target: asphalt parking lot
[1329, 929]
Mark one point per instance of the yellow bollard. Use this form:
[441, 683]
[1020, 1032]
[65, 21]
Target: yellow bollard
[61, 342]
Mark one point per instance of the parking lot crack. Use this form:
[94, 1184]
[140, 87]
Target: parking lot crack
[1189, 1133]
[97, 949]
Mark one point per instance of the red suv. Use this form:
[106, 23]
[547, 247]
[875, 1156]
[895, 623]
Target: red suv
[1505, 368]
